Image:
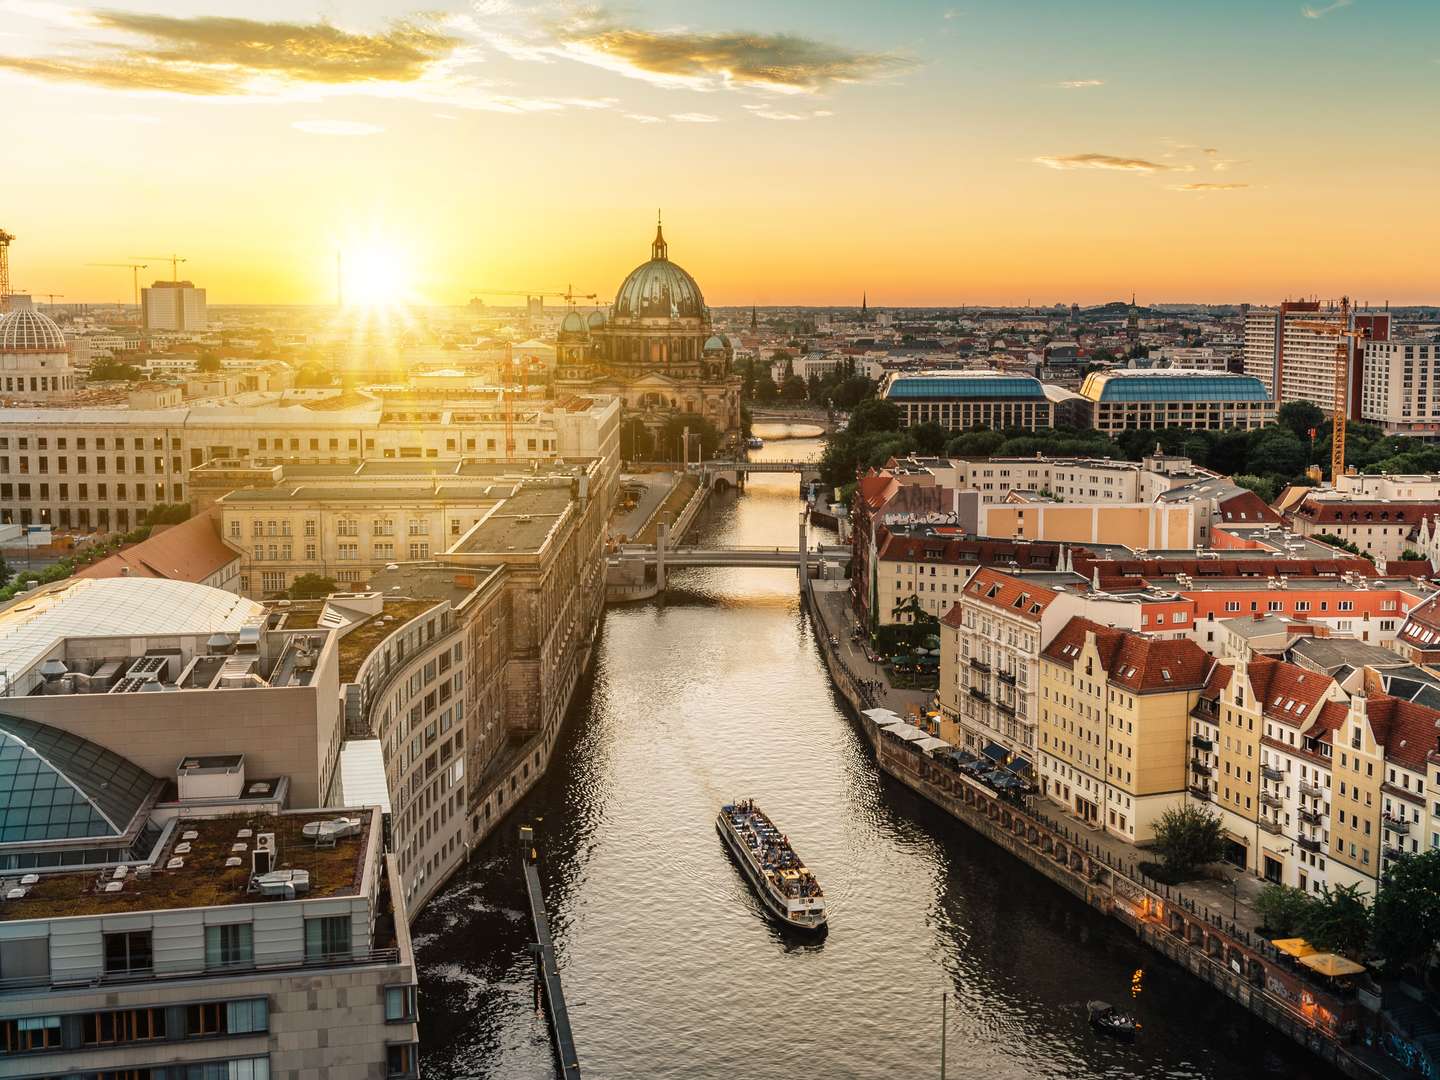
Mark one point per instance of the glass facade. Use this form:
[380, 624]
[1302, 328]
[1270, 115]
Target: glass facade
[1106, 387]
[961, 386]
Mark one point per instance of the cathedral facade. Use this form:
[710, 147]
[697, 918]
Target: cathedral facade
[655, 349]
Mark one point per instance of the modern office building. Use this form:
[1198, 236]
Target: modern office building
[1401, 387]
[960, 400]
[173, 305]
[1207, 401]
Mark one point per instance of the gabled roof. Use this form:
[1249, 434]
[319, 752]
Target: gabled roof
[1290, 692]
[1013, 595]
[1246, 506]
[1376, 512]
[1139, 662]
[1407, 730]
[190, 551]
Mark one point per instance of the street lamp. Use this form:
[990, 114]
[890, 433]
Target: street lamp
[1235, 896]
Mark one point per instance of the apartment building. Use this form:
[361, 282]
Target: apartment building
[1114, 724]
[1382, 527]
[103, 468]
[1401, 386]
[921, 572]
[1296, 363]
[173, 305]
[1166, 397]
[1318, 783]
[1079, 480]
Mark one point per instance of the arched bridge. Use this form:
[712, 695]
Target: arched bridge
[785, 558]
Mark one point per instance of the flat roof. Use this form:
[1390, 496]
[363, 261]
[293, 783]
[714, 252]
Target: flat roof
[204, 880]
[433, 580]
[523, 522]
[360, 642]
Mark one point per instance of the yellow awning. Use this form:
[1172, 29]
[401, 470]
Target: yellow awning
[1332, 965]
[1294, 946]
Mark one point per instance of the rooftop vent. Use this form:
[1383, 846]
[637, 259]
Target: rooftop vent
[234, 860]
[182, 849]
[175, 864]
[114, 886]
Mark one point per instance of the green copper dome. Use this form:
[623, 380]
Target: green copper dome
[659, 289]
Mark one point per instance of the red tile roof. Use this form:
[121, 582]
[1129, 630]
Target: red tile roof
[1014, 595]
[953, 617]
[1248, 507]
[1290, 693]
[1028, 554]
[1359, 513]
[1138, 662]
[190, 551]
[1406, 729]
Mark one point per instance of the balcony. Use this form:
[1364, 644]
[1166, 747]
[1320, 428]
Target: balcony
[978, 694]
[1271, 773]
[1269, 825]
[1310, 817]
[1199, 768]
[1006, 677]
[1313, 791]
[979, 665]
[1201, 743]
[1005, 707]
[1201, 792]
[1309, 843]
[1272, 801]
[1395, 825]
[1391, 852]
[1206, 710]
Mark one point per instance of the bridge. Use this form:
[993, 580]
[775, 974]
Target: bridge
[821, 418]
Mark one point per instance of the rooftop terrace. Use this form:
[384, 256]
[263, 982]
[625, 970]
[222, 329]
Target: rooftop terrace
[365, 638]
[204, 880]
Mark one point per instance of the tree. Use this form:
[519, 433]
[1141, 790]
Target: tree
[1338, 920]
[166, 514]
[311, 587]
[1187, 838]
[851, 391]
[208, 363]
[930, 438]
[1407, 913]
[794, 388]
[1411, 555]
[1278, 450]
[1283, 909]
[1300, 417]
[1260, 485]
[704, 438]
[313, 375]
[765, 388]
[874, 415]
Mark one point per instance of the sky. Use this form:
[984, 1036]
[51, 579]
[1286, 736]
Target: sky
[801, 151]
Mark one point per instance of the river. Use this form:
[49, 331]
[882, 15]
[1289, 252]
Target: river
[717, 692]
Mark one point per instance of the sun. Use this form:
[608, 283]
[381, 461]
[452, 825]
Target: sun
[375, 277]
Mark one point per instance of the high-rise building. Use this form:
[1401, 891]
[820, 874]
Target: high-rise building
[173, 305]
[1297, 363]
[1401, 386]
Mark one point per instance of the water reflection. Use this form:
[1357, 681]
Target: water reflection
[673, 970]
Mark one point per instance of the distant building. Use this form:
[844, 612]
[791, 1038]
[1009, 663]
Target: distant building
[1401, 386]
[173, 305]
[34, 359]
[960, 400]
[1296, 363]
[190, 551]
[1207, 401]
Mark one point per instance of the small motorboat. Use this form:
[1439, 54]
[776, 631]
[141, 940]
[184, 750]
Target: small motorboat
[754, 442]
[1106, 1019]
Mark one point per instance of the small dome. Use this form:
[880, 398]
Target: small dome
[31, 332]
[573, 323]
[714, 343]
[596, 320]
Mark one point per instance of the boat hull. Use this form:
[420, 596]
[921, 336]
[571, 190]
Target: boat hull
[774, 905]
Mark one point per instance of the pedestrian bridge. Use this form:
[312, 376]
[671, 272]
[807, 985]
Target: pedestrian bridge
[786, 558]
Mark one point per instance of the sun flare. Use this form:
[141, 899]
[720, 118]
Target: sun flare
[376, 277]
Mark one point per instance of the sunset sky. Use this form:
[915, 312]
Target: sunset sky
[970, 151]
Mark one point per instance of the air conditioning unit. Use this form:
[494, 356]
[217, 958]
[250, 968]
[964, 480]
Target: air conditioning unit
[263, 858]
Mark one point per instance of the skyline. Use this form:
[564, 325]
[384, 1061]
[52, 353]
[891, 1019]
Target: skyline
[935, 155]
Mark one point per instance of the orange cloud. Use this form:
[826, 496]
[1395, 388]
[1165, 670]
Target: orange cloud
[1108, 161]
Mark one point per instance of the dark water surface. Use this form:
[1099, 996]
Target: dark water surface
[717, 692]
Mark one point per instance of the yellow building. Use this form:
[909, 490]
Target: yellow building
[1114, 723]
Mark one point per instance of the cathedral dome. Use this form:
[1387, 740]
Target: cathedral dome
[659, 289]
[596, 320]
[573, 323]
[714, 343]
[30, 331]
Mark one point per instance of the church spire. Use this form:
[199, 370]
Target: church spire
[659, 247]
[864, 306]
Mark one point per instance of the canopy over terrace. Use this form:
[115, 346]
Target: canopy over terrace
[1331, 965]
[1295, 946]
[908, 732]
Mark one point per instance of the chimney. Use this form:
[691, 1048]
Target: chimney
[124, 571]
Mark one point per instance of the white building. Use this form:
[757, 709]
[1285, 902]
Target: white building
[173, 305]
[1401, 386]
[34, 359]
[1296, 363]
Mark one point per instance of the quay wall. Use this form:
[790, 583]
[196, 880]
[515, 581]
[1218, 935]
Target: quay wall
[1242, 966]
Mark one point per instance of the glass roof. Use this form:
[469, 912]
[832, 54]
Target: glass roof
[1165, 386]
[962, 386]
[58, 786]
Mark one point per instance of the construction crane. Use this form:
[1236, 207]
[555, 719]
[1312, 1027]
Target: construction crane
[173, 260]
[5, 239]
[1340, 407]
[50, 297]
[567, 294]
[134, 269]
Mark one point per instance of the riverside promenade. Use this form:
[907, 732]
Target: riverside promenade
[1204, 926]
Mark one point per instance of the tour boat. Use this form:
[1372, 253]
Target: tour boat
[789, 892]
[754, 442]
[1104, 1018]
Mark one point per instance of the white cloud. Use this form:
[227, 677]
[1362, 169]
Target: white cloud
[694, 118]
[1080, 84]
[644, 118]
[336, 127]
[1312, 12]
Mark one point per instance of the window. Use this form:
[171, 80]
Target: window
[229, 946]
[127, 953]
[123, 1026]
[402, 1060]
[25, 959]
[33, 1033]
[327, 938]
[400, 1005]
[255, 1068]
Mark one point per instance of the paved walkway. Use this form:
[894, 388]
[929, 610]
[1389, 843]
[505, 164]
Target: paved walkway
[657, 485]
[1229, 897]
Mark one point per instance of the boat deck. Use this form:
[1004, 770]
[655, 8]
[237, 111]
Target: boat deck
[771, 848]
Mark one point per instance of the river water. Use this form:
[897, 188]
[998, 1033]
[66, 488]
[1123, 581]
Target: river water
[717, 692]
